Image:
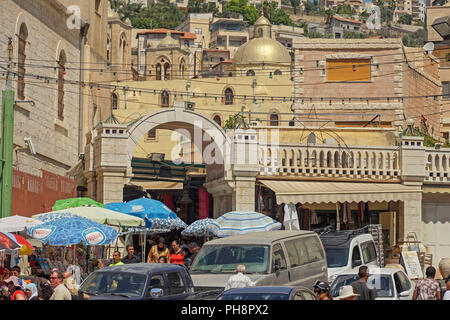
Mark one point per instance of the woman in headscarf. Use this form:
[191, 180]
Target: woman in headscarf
[31, 291]
[158, 251]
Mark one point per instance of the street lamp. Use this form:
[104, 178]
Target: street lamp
[442, 26]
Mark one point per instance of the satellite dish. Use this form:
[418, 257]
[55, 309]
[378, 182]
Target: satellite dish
[429, 47]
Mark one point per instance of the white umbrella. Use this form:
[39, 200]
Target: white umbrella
[18, 223]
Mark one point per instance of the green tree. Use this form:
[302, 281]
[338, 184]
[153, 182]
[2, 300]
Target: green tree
[415, 39]
[405, 19]
[162, 14]
[295, 4]
[128, 10]
[198, 6]
[274, 14]
[345, 9]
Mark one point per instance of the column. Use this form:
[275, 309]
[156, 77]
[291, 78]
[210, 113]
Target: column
[410, 218]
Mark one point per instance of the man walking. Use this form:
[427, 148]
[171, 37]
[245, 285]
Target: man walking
[60, 291]
[428, 289]
[190, 256]
[116, 259]
[131, 257]
[362, 288]
[239, 280]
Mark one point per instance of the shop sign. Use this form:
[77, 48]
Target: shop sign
[137, 208]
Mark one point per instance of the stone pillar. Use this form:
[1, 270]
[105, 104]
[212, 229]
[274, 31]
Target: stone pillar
[410, 218]
[111, 162]
[412, 161]
[89, 172]
[243, 198]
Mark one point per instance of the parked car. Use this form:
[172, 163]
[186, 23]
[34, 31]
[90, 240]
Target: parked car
[390, 283]
[139, 281]
[347, 250]
[287, 258]
[268, 293]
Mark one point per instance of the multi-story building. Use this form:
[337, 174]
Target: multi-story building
[439, 16]
[358, 5]
[228, 34]
[339, 26]
[198, 24]
[415, 8]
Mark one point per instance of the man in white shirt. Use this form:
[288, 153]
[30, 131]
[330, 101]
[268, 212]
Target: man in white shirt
[60, 291]
[447, 293]
[239, 280]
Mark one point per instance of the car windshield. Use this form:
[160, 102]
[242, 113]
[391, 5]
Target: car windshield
[336, 257]
[381, 282]
[225, 259]
[114, 283]
[255, 296]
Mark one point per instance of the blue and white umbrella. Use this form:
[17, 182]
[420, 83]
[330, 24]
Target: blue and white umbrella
[65, 229]
[198, 228]
[242, 222]
[155, 213]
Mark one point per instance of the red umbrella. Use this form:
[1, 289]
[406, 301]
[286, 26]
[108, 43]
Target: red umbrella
[6, 243]
[27, 248]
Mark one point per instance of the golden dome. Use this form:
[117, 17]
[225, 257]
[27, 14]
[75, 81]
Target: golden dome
[168, 41]
[262, 50]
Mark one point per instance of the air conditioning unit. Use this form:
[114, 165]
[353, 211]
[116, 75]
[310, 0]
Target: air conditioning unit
[189, 105]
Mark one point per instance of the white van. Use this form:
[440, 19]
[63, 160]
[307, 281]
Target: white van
[348, 250]
[288, 258]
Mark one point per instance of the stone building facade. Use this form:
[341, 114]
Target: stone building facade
[368, 75]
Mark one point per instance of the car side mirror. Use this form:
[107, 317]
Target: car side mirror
[277, 266]
[356, 263]
[404, 294]
[187, 262]
[156, 293]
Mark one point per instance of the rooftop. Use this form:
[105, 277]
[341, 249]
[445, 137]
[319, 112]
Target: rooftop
[346, 20]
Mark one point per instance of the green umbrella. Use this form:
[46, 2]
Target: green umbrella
[75, 202]
[103, 216]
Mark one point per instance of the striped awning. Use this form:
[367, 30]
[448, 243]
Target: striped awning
[158, 185]
[332, 192]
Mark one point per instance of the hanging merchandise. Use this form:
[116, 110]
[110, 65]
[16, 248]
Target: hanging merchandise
[361, 211]
[279, 213]
[306, 219]
[203, 204]
[351, 223]
[314, 219]
[344, 212]
[338, 220]
[290, 221]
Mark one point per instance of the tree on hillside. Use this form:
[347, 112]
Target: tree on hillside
[198, 6]
[162, 14]
[345, 9]
[116, 4]
[295, 4]
[128, 10]
[416, 39]
[274, 14]
[405, 19]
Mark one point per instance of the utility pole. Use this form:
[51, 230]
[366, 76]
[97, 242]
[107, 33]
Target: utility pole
[6, 149]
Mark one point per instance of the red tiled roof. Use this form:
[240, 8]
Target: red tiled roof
[347, 20]
[188, 35]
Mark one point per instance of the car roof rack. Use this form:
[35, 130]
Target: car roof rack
[330, 232]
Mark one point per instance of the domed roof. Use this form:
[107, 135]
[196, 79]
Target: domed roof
[262, 50]
[168, 41]
[262, 21]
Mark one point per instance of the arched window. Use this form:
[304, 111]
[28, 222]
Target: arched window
[114, 101]
[151, 135]
[123, 49]
[229, 96]
[250, 73]
[166, 71]
[277, 72]
[61, 73]
[218, 120]
[23, 35]
[274, 119]
[158, 71]
[164, 99]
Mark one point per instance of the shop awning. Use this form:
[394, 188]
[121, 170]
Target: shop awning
[158, 185]
[325, 192]
[435, 189]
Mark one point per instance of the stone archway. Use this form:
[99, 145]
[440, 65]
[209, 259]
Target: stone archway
[110, 148]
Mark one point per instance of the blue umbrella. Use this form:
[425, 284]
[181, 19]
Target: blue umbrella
[65, 229]
[155, 213]
[198, 228]
[242, 222]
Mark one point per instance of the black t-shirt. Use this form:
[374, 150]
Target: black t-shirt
[133, 259]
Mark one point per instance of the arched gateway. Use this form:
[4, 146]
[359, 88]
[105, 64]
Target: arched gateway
[110, 148]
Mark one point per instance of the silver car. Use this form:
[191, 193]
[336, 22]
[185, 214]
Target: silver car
[390, 283]
[282, 258]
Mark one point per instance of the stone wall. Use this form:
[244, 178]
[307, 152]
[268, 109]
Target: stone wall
[55, 141]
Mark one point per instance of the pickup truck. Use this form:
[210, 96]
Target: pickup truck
[142, 281]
